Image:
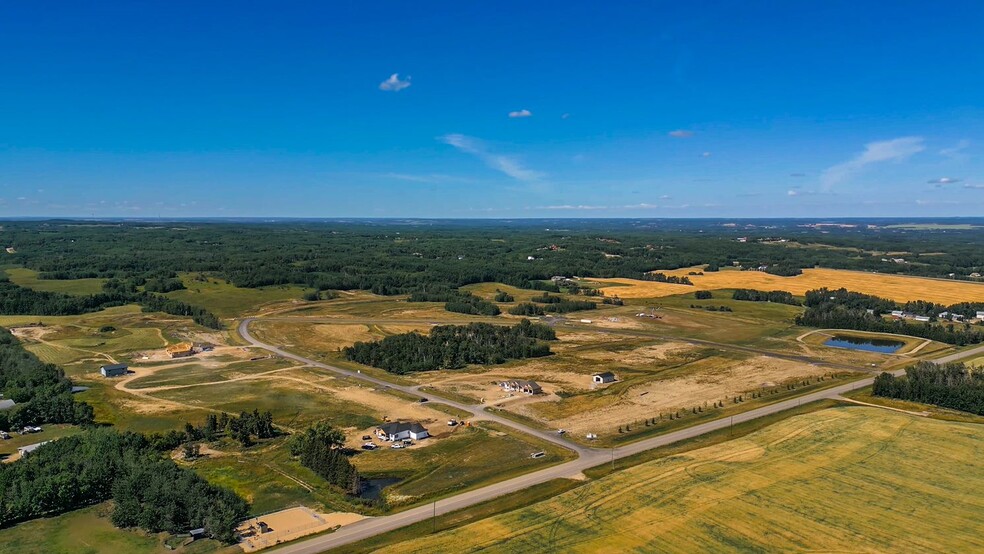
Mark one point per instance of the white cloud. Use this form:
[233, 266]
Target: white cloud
[791, 193]
[571, 207]
[956, 152]
[681, 133]
[970, 186]
[705, 154]
[521, 113]
[665, 197]
[394, 84]
[943, 181]
[433, 178]
[874, 152]
[565, 115]
[499, 162]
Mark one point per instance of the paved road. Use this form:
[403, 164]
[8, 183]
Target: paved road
[587, 457]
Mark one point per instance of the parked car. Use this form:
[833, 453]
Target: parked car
[452, 422]
[369, 446]
[367, 437]
[397, 445]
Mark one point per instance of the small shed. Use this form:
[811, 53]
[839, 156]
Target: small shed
[114, 370]
[25, 450]
[601, 378]
[6, 404]
[197, 533]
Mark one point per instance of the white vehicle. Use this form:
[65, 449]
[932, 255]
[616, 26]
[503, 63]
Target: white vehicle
[561, 431]
[4, 435]
[452, 422]
[397, 445]
[591, 436]
[369, 446]
[538, 455]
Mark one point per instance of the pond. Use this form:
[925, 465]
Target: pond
[882, 346]
[373, 488]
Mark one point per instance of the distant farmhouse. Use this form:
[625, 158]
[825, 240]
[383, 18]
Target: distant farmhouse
[6, 404]
[180, 350]
[525, 387]
[114, 370]
[402, 430]
[601, 378]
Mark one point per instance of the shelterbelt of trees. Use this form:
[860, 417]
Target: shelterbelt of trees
[953, 385]
[454, 347]
[17, 300]
[401, 257]
[149, 490]
[843, 309]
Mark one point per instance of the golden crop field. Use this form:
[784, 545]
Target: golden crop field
[842, 479]
[895, 287]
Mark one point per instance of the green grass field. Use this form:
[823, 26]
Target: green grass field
[227, 300]
[89, 531]
[842, 479]
[29, 278]
[197, 373]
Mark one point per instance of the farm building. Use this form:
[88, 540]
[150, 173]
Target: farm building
[525, 387]
[606, 377]
[980, 315]
[25, 450]
[402, 430]
[114, 370]
[6, 404]
[180, 350]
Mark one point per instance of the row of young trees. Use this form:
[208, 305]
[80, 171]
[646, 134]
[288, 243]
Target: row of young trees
[952, 385]
[148, 490]
[41, 392]
[776, 296]
[453, 347]
[17, 300]
[458, 302]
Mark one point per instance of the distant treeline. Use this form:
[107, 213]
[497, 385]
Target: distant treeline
[843, 309]
[954, 386]
[777, 296]
[663, 278]
[41, 391]
[17, 300]
[453, 347]
[148, 490]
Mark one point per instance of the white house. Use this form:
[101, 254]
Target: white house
[402, 430]
[606, 377]
[25, 450]
[980, 315]
[526, 387]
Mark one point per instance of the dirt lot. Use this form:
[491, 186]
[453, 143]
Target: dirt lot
[288, 525]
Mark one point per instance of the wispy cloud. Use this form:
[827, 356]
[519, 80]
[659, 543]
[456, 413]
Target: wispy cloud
[520, 113]
[681, 133]
[974, 186]
[571, 207]
[433, 178]
[956, 152]
[509, 165]
[797, 175]
[874, 152]
[394, 83]
[705, 154]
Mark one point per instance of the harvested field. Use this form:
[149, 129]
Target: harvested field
[843, 479]
[895, 287]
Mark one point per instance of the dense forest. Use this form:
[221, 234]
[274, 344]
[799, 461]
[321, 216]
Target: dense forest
[391, 257]
[320, 450]
[149, 491]
[954, 385]
[17, 300]
[453, 347]
[843, 309]
[41, 391]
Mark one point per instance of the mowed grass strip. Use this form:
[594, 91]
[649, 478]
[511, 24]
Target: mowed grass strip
[227, 300]
[854, 478]
[896, 287]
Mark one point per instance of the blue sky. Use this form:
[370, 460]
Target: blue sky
[491, 109]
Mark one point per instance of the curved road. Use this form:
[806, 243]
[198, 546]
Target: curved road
[587, 457]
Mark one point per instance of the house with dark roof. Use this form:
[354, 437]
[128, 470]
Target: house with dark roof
[397, 431]
[114, 370]
[601, 378]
